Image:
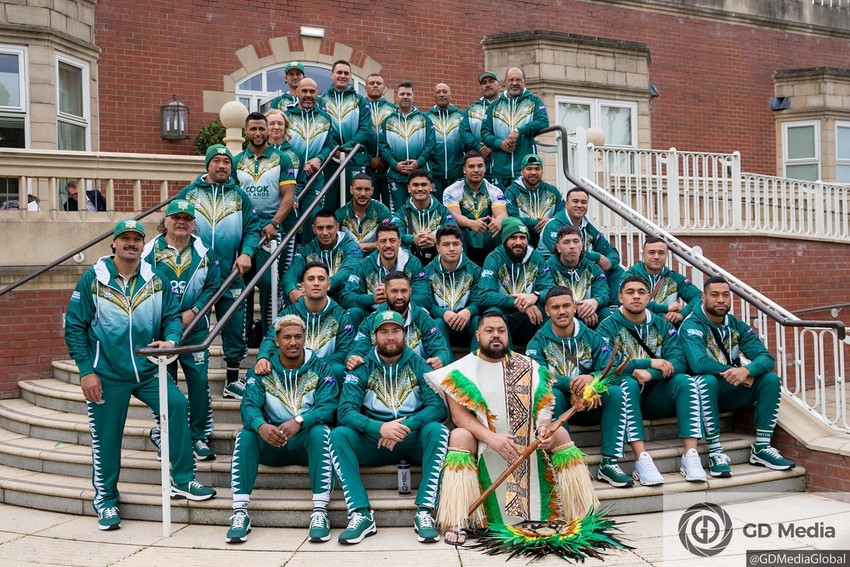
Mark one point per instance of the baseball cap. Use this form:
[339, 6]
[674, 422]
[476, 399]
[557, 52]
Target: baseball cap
[128, 225]
[293, 65]
[180, 206]
[485, 75]
[531, 159]
[387, 316]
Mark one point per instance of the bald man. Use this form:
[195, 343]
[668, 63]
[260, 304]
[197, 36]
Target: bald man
[447, 160]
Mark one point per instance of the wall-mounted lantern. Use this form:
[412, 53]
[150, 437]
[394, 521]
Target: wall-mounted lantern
[175, 120]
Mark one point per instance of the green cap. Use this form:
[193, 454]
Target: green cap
[485, 75]
[388, 316]
[511, 226]
[531, 159]
[293, 65]
[180, 206]
[128, 225]
[217, 150]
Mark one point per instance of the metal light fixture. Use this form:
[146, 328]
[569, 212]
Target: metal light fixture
[174, 120]
[310, 31]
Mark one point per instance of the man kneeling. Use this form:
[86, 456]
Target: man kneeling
[284, 416]
[499, 400]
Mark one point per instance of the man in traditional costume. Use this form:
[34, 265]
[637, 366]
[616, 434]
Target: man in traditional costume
[499, 401]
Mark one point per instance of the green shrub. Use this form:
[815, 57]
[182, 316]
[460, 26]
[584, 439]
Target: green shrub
[209, 134]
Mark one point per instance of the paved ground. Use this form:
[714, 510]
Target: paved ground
[29, 536]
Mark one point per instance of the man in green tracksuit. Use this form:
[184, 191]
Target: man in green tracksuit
[510, 125]
[361, 216]
[406, 143]
[671, 294]
[333, 247]
[657, 363]
[470, 127]
[447, 160]
[379, 109]
[571, 268]
[330, 333]
[453, 282]
[597, 248]
[365, 291]
[285, 418]
[349, 114]
[421, 216]
[420, 331]
[294, 72]
[573, 352]
[268, 177]
[715, 343]
[119, 305]
[531, 199]
[386, 403]
[225, 219]
[190, 269]
[515, 280]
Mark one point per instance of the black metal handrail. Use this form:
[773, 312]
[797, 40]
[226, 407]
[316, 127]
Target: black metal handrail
[680, 249]
[822, 308]
[302, 218]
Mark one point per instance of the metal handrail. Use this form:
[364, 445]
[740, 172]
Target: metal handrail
[86, 246]
[220, 323]
[821, 308]
[706, 266]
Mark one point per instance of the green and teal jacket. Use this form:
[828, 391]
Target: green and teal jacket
[360, 288]
[527, 115]
[313, 134]
[705, 356]
[262, 177]
[531, 205]
[595, 243]
[447, 159]
[420, 334]
[470, 127]
[659, 335]
[475, 205]
[379, 110]
[341, 260]
[455, 290]
[586, 280]
[284, 102]
[309, 391]
[363, 229]
[501, 278]
[406, 137]
[109, 318]
[411, 221]
[674, 287]
[349, 114]
[376, 392]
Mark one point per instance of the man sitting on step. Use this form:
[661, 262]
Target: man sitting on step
[285, 417]
[119, 305]
[734, 370]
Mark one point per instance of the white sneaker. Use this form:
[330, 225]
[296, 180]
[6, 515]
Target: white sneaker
[692, 467]
[645, 471]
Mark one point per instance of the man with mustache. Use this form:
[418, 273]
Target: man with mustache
[361, 216]
[470, 127]
[531, 199]
[447, 160]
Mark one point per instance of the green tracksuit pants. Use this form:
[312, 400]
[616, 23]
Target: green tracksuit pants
[350, 449]
[717, 395]
[233, 334]
[309, 447]
[106, 425]
[195, 366]
[309, 198]
[677, 395]
[459, 338]
[265, 284]
[398, 194]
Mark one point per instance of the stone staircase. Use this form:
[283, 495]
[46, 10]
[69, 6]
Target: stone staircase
[45, 462]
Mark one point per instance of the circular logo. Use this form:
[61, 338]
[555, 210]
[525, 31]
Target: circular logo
[705, 529]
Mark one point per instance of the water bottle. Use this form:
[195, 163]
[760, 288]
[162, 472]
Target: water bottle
[404, 477]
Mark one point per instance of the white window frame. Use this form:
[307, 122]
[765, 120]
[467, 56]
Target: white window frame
[85, 120]
[22, 111]
[259, 98]
[786, 161]
[839, 161]
[596, 105]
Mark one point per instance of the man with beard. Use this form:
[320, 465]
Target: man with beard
[225, 218]
[572, 352]
[193, 276]
[514, 279]
[421, 216]
[379, 109]
[119, 305]
[330, 333]
[406, 142]
[597, 248]
[470, 127]
[734, 370]
[285, 416]
[671, 294]
[365, 291]
[420, 331]
[361, 216]
[499, 400]
[268, 178]
[333, 247]
[510, 125]
[478, 207]
[571, 268]
[386, 404]
[447, 160]
[657, 363]
[294, 72]
[453, 281]
[531, 199]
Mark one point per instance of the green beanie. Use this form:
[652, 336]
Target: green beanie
[217, 150]
[511, 226]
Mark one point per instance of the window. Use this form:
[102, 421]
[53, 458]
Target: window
[617, 119]
[801, 150]
[263, 86]
[842, 152]
[73, 109]
[13, 97]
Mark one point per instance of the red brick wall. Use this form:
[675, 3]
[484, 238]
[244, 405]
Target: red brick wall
[824, 471]
[714, 77]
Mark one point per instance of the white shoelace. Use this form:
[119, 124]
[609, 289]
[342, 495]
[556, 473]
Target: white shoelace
[425, 519]
[722, 458]
[317, 520]
[771, 451]
[110, 513]
[238, 520]
[691, 459]
[356, 519]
